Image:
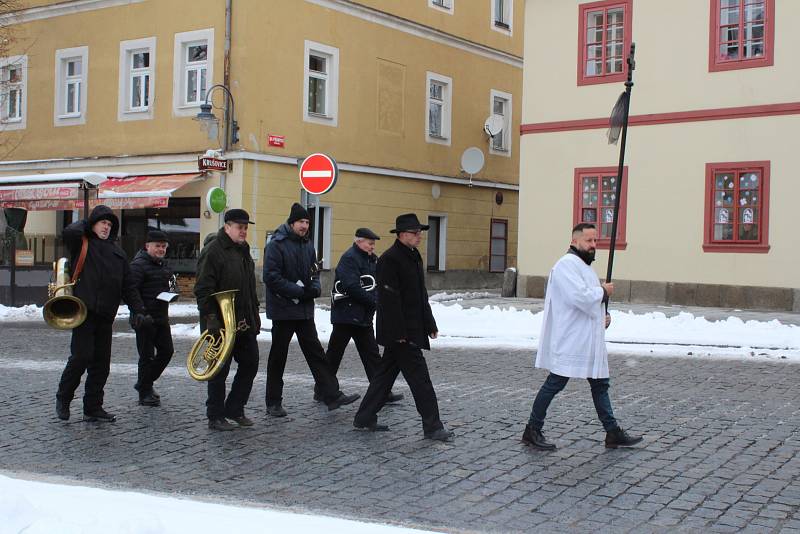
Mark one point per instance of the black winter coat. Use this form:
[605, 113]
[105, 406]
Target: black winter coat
[224, 265]
[105, 278]
[150, 277]
[403, 308]
[287, 259]
[359, 307]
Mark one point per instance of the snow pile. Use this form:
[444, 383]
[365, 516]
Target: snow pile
[30, 312]
[450, 297]
[42, 508]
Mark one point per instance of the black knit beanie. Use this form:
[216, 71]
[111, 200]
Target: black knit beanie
[298, 212]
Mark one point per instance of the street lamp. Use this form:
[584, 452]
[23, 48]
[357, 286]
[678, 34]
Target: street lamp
[209, 121]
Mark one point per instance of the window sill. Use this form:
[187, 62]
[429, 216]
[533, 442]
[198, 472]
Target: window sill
[69, 116]
[502, 25]
[11, 121]
[136, 111]
[736, 247]
[604, 78]
[432, 270]
[438, 137]
[320, 116]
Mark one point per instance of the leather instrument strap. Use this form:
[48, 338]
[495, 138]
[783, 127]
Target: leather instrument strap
[81, 259]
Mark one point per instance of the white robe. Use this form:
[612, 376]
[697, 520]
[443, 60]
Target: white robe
[572, 342]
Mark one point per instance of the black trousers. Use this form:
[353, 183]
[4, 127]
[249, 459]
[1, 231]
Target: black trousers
[406, 359]
[366, 345]
[154, 344]
[90, 353]
[306, 330]
[245, 352]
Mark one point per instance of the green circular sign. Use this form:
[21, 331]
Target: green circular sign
[216, 199]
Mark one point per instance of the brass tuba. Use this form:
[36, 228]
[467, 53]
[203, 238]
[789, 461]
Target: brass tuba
[63, 310]
[208, 353]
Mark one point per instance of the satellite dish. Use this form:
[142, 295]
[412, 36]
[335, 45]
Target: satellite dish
[472, 160]
[493, 125]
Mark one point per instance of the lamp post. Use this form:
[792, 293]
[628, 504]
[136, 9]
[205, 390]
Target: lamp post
[209, 121]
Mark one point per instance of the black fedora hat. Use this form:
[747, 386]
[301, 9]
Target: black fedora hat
[238, 216]
[156, 236]
[408, 222]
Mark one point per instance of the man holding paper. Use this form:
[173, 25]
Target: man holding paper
[151, 279]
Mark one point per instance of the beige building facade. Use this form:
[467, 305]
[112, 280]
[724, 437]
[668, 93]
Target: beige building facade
[707, 207]
[395, 92]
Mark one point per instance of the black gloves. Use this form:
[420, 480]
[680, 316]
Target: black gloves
[140, 320]
[213, 324]
[310, 293]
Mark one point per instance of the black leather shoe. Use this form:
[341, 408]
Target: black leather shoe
[148, 399]
[220, 423]
[318, 396]
[62, 410]
[535, 439]
[242, 420]
[99, 414]
[343, 400]
[441, 434]
[619, 438]
[276, 410]
[372, 427]
[153, 393]
[394, 397]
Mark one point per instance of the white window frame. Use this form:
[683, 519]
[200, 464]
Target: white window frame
[126, 73]
[327, 217]
[20, 122]
[448, 7]
[442, 241]
[508, 6]
[508, 140]
[60, 115]
[447, 108]
[331, 77]
[180, 107]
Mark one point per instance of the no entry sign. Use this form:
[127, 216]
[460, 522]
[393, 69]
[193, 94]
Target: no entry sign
[318, 174]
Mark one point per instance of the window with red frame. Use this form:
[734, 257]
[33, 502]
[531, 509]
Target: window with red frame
[742, 34]
[604, 40]
[595, 194]
[737, 207]
[498, 245]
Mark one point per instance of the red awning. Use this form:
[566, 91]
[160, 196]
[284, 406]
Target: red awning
[119, 191]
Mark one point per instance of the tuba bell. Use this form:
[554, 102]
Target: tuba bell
[367, 284]
[209, 353]
[63, 311]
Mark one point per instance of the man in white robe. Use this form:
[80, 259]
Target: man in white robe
[572, 342]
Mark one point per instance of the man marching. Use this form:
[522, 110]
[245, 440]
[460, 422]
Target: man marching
[572, 341]
[405, 322]
[292, 281]
[150, 277]
[104, 280]
[351, 316]
[225, 263]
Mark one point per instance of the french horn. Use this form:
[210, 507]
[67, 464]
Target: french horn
[63, 310]
[209, 353]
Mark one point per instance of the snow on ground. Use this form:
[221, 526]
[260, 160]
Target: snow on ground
[650, 333]
[43, 508]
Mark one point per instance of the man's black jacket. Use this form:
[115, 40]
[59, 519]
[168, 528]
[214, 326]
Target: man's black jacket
[359, 307]
[224, 265]
[287, 259]
[150, 277]
[105, 278]
[403, 308]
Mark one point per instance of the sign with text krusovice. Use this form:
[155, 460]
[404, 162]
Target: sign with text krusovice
[318, 174]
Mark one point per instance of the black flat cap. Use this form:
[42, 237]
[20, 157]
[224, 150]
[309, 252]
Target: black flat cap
[238, 216]
[366, 233]
[156, 236]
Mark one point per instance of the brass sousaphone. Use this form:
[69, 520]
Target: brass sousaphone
[209, 353]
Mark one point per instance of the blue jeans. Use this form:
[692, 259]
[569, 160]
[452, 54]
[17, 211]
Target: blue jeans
[555, 383]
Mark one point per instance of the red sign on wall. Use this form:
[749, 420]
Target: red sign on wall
[276, 140]
[318, 174]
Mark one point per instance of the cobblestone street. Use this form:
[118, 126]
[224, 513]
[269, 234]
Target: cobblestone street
[720, 451]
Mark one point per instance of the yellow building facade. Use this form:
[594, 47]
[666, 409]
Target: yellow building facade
[395, 92]
[709, 190]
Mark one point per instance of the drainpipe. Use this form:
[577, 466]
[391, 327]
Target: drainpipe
[226, 79]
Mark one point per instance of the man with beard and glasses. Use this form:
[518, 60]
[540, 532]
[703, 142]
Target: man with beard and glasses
[572, 341]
